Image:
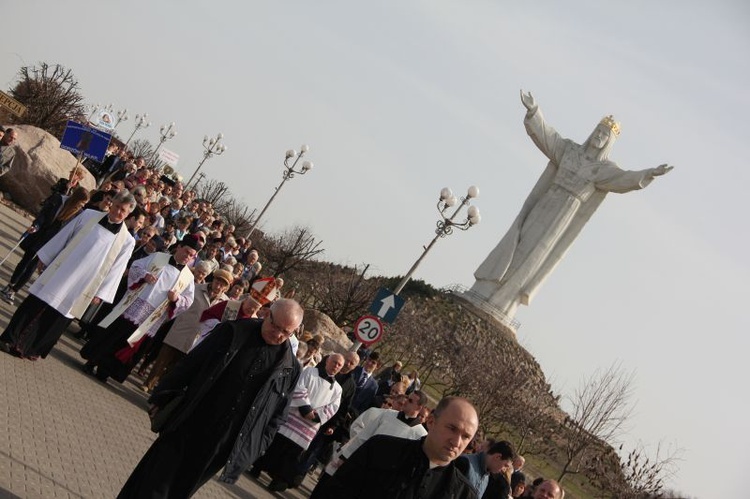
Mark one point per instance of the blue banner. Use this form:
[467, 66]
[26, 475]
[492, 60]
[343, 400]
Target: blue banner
[86, 140]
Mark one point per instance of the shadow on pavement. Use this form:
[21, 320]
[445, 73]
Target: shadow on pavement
[35, 470]
[127, 390]
[8, 494]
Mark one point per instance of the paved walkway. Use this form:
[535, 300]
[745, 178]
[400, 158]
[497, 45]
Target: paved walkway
[66, 435]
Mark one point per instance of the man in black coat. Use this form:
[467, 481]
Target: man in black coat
[398, 468]
[235, 388]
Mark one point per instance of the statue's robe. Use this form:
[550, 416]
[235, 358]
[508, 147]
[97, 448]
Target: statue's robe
[562, 201]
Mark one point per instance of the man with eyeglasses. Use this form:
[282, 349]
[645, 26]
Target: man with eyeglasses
[7, 150]
[231, 393]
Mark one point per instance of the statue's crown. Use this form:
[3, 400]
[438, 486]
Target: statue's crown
[609, 122]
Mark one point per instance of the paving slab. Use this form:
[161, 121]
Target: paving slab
[64, 434]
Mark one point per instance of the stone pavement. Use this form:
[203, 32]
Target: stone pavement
[64, 434]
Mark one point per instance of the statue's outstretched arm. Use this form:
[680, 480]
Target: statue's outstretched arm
[529, 102]
[544, 136]
[660, 170]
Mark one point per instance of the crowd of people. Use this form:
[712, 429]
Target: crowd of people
[162, 286]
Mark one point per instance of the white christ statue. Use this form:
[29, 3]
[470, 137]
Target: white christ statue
[576, 179]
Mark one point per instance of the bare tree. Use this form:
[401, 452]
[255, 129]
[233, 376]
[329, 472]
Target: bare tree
[342, 293]
[288, 250]
[52, 95]
[600, 407]
[145, 149]
[238, 214]
[533, 417]
[635, 475]
[141, 147]
[215, 192]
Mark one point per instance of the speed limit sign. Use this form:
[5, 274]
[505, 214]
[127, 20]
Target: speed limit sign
[368, 329]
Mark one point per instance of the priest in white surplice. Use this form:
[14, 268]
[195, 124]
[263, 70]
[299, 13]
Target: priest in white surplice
[314, 401]
[84, 262]
[160, 286]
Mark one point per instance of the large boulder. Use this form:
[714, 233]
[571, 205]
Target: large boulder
[38, 165]
[335, 339]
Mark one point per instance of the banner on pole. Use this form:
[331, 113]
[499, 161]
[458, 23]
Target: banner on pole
[85, 140]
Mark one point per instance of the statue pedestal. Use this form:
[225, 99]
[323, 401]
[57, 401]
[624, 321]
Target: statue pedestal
[484, 309]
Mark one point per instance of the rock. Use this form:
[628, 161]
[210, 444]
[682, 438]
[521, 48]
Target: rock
[335, 339]
[38, 165]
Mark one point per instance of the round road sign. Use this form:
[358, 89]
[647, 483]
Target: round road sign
[368, 329]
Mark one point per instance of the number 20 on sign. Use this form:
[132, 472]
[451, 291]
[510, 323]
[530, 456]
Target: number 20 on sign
[368, 329]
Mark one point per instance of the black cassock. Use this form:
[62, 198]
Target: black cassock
[179, 462]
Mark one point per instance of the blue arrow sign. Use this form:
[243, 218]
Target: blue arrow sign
[387, 305]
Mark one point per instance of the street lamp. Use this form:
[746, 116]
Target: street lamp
[141, 121]
[288, 173]
[98, 107]
[93, 108]
[445, 227]
[446, 224]
[121, 116]
[166, 132]
[212, 147]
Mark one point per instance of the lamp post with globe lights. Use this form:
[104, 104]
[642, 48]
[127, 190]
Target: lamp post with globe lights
[446, 224]
[289, 172]
[211, 147]
[141, 121]
[121, 116]
[166, 132]
[445, 227]
[92, 109]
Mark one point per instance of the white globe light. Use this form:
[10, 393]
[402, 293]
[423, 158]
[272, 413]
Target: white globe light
[220, 136]
[445, 193]
[304, 148]
[473, 191]
[307, 165]
[291, 153]
[451, 201]
[473, 211]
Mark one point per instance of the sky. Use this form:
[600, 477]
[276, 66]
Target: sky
[398, 99]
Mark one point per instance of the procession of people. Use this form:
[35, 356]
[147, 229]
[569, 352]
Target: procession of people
[170, 298]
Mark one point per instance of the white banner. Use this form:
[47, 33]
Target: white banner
[169, 157]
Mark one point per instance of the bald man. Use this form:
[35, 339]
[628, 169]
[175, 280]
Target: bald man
[315, 400]
[548, 489]
[336, 428]
[398, 468]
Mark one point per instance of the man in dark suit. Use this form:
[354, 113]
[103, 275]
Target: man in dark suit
[400, 468]
[367, 386]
